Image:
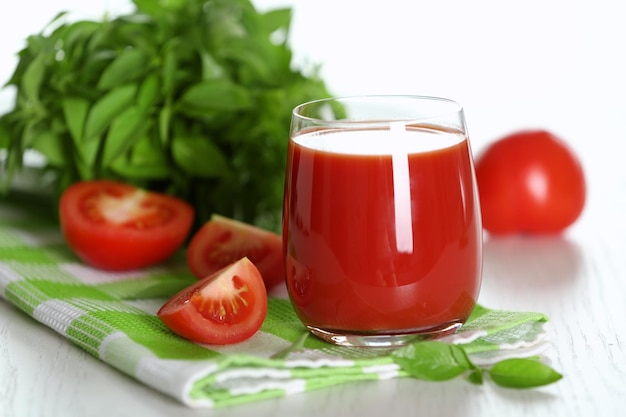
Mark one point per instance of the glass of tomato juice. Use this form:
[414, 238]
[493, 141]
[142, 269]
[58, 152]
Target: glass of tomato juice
[382, 234]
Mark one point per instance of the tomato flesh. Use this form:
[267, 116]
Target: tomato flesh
[115, 226]
[222, 241]
[226, 307]
[529, 182]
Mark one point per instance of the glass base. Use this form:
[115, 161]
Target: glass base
[382, 339]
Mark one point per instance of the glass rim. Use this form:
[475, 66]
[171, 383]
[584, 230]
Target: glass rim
[455, 108]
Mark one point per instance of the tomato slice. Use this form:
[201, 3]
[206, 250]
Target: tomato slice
[222, 241]
[226, 307]
[116, 226]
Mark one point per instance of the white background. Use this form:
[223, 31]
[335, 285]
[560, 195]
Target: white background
[556, 64]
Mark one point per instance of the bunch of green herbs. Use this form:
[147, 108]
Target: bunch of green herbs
[188, 97]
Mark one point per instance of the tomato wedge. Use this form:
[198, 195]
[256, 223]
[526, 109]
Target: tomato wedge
[116, 226]
[226, 307]
[222, 241]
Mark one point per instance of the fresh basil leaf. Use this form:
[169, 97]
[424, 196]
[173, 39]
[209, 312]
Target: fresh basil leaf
[32, 78]
[461, 357]
[129, 65]
[75, 35]
[523, 373]
[107, 108]
[148, 94]
[139, 171]
[83, 162]
[476, 376]
[51, 146]
[5, 134]
[211, 69]
[145, 161]
[154, 8]
[198, 156]
[75, 111]
[148, 151]
[88, 154]
[32, 128]
[169, 68]
[429, 360]
[212, 95]
[277, 19]
[145, 171]
[125, 129]
[165, 117]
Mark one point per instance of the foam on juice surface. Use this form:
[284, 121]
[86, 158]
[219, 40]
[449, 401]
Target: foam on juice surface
[379, 141]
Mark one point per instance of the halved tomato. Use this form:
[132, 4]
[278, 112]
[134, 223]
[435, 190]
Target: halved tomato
[226, 307]
[116, 226]
[222, 241]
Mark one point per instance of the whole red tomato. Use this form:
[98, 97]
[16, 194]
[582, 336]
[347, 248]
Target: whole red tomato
[529, 182]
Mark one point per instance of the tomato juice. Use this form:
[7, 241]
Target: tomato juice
[382, 231]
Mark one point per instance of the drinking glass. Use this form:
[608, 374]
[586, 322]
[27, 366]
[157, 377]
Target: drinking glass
[382, 234]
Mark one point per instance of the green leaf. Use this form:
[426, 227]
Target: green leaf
[165, 117]
[156, 8]
[107, 108]
[128, 66]
[146, 160]
[460, 356]
[430, 360]
[5, 133]
[33, 77]
[50, 145]
[76, 34]
[211, 69]
[140, 171]
[277, 19]
[88, 154]
[198, 156]
[169, 68]
[32, 128]
[215, 96]
[148, 93]
[476, 376]
[124, 130]
[75, 113]
[523, 373]
[86, 168]
[148, 150]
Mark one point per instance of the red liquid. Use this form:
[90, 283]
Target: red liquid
[358, 260]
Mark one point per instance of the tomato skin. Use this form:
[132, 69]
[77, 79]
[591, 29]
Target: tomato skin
[191, 313]
[221, 241]
[117, 227]
[529, 182]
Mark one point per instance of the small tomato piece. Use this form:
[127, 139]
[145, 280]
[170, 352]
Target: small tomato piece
[221, 241]
[116, 226]
[529, 182]
[226, 307]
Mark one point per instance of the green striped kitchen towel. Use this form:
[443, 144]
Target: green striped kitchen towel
[113, 317]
